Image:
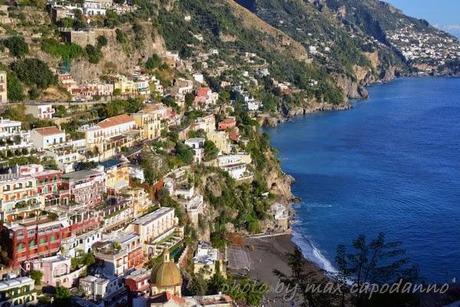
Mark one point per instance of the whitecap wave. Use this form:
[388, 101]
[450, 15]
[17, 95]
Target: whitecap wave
[311, 252]
[319, 205]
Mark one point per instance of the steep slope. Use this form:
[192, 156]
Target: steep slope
[425, 47]
[235, 32]
[347, 36]
[351, 56]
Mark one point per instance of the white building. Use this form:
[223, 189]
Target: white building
[41, 111]
[154, 225]
[121, 252]
[235, 165]
[97, 288]
[205, 260]
[17, 292]
[197, 145]
[141, 83]
[12, 137]
[46, 137]
[94, 8]
[9, 127]
[80, 243]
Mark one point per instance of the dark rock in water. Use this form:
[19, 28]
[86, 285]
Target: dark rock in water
[296, 200]
[363, 92]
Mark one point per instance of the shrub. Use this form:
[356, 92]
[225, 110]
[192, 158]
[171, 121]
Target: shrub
[65, 51]
[34, 72]
[17, 46]
[153, 62]
[101, 41]
[94, 54]
[121, 36]
[15, 89]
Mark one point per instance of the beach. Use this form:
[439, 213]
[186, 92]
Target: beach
[267, 254]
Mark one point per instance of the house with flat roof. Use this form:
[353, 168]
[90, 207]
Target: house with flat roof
[85, 188]
[17, 292]
[158, 230]
[120, 252]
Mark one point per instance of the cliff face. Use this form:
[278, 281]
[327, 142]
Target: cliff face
[121, 57]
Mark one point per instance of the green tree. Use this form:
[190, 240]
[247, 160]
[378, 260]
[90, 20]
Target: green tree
[17, 46]
[216, 283]
[153, 62]
[197, 285]
[101, 41]
[33, 71]
[184, 153]
[376, 262]
[93, 54]
[34, 93]
[60, 110]
[301, 278]
[210, 150]
[15, 89]
[36, 276]
[61, 297]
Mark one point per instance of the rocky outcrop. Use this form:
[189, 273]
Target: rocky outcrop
[348, 86]
[120, 57]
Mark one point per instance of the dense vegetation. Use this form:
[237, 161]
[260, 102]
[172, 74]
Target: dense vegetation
[34, 72]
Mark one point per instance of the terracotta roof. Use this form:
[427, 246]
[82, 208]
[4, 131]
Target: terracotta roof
[165, 297]
[116, 120]
[48, 130]
[203, 91]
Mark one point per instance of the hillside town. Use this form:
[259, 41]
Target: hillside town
[133, 170]
[427, 50]
[91, 200]
[105, 209]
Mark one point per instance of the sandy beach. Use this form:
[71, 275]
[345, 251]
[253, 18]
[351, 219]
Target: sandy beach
[267, 254]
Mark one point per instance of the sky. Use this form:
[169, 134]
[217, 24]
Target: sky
[444, 14]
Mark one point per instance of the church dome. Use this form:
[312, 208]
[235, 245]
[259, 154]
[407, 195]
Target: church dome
[167, 274]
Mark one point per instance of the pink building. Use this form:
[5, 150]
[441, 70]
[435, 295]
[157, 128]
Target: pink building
[56, 270]
[205, 96]
[227, 123]
[84, 187]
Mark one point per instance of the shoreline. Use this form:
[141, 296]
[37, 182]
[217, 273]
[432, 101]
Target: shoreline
[269, 253]
[298, 239]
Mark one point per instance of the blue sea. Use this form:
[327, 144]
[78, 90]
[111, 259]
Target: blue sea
[391, 164]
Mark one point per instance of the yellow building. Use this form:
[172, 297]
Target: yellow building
[19, 197]
[149, 124]
[166, 277]
[3, 88]
[140, 200]
[126, 86]
[221, 140]
[117, 171]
